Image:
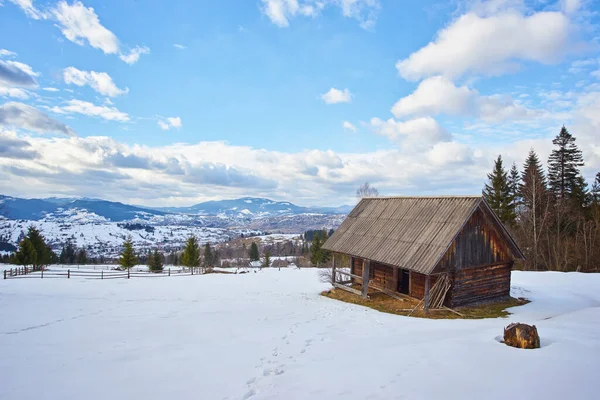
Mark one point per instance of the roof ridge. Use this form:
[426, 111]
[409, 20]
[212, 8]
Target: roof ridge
[477, 196]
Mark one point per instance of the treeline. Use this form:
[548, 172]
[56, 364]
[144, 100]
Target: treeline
[553, 213]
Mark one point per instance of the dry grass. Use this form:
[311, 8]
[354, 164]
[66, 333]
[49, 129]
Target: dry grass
[387, 304]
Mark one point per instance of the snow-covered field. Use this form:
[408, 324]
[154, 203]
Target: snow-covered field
[269, 335]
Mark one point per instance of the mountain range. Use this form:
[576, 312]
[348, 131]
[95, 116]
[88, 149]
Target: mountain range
[15, 208]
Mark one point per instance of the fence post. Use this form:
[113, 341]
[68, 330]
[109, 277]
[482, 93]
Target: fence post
[169, 273]
[4, 274]
[68, 274]
[42, 273]
[128, 272]
[102, 274]
[192, 270]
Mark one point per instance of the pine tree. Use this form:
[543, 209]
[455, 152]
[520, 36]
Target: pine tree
[67, 255]
[267, 260]
[254, 254]
[514, 180]
[43, 251]
[191, 253]
[33, 250]
[498, 193]
[563, 166]
[127, 258]
[155, 261]
[595, 192]
[26, 254]
[82, 257]
[208, 256]
[318, 255]
[535, 202]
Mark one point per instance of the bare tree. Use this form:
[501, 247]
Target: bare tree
[366, 190]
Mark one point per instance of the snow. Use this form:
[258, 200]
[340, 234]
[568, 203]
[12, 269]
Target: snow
[269, 335]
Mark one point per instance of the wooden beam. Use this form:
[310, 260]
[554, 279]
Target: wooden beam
[333, 270]
[427, 284]
[365, 278]
[350, 275]
[348, 289]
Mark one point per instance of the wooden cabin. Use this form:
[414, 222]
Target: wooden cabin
[448, 251]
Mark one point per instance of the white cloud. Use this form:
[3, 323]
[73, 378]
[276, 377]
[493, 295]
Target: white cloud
[348, 126]
[16, 93]
[578, 66]
[334, 96]
[491, 45]
[22, 116]
[179, 46]
[364, 11]
[134, 54]
[92, 110]
[570, 6]
[80, 24]
[51, 89]
[7, 53]
[29, 9]
[419, 132]
[15, 78]
[438, 95]
[448, 153]
[100, 82]
[168, 123]
[280, 12]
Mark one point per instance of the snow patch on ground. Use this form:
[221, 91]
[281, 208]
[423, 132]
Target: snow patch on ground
[270, 335]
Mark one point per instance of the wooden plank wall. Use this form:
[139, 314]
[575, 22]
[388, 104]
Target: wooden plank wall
[417, 284]
[478, 284]
[477, 244]
[380, 275]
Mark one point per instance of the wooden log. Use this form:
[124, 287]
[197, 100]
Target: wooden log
[333, 269]
[365, 279]
[427, 299]
[522, 336]
[348, 289]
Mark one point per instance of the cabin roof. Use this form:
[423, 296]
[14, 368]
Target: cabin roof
[410, 232]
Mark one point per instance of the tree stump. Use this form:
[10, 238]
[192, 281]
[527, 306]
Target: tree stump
[522, 336]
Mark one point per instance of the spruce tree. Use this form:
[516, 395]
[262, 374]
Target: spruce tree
[67, 255]
[208, 256]
[254, 254]
[82, 257]
[43, 251]
[267, 260]
[595, 192]
[191, 253]
[33, 250]
[497, 193]
[535, 202]
[127, 258]
[563, 167]
[155, 262]
[514, 180]
[26, 254]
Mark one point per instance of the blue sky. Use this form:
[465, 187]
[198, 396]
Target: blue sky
[299, 100]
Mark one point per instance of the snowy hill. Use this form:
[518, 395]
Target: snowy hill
[37, 209]
[270, 335]
[101, 226]
[252, 206]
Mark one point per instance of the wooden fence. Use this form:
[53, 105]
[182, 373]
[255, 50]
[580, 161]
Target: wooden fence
[29, 272]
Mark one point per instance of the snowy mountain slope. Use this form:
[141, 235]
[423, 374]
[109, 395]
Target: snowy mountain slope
[36, 209]
[253, 206]
[270, 335]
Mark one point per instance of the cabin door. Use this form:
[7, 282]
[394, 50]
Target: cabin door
[403, 281]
